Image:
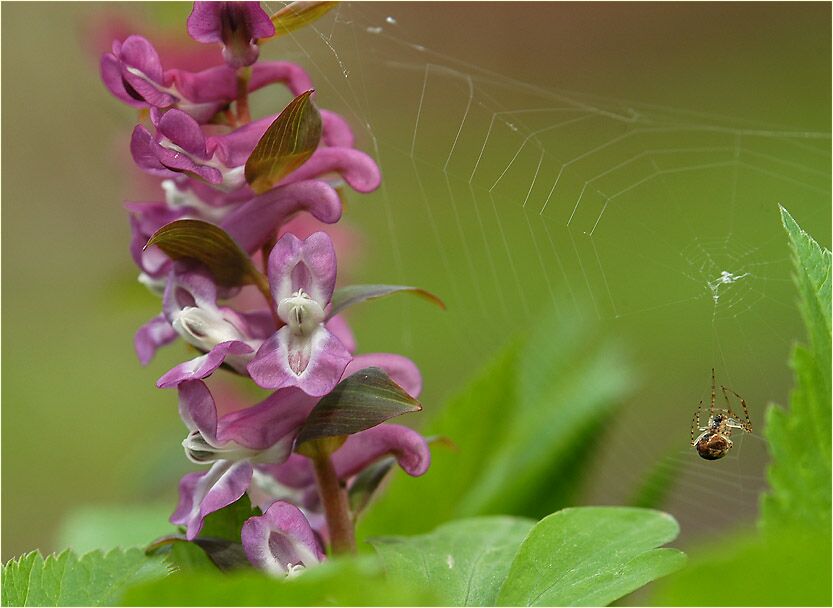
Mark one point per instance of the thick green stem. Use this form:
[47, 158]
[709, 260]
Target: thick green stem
[336, 507]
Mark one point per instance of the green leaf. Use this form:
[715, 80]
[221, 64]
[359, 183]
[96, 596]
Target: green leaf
[286, 145]
[359, 402]
[211, 246]
[228, 521]
[800, 440]
[366, 484]
[527, 428]
[102, 527]
[353, 294]
[224, 554]
[93, 579]
[296, 15]
[339, 582]
[464, 562]
[590, 556]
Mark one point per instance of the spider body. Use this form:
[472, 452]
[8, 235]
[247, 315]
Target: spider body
[713, 442]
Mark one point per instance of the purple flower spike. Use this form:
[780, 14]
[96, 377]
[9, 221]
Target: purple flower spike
[281, 541]
[235, 443]
[303, 353]
[237, 25]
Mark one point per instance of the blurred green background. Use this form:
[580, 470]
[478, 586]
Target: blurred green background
[693, 122]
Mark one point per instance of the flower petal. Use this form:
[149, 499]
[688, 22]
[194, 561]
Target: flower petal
[267, 72]
[280, 540]
[362, 449]
[251, 224]
[201, 494]
[309, 265]
[153, 334]
[335, 131]
[338, 326]
[321, 358]
[355, 167]
[205, 365]
[274, 420]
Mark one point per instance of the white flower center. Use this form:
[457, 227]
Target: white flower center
[199, 451]
[301, 313]
[204, 329]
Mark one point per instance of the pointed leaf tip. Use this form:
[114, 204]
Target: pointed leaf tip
[357, 403]
[286, 145]
[353, 294]
[211, 246]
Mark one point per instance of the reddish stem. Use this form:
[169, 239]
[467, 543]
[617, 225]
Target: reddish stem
[336, 507]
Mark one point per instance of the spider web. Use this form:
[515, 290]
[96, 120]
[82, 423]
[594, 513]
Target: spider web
[658, 224]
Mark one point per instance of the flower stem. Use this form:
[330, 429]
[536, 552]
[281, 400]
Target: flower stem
[243, 115]
[336, 507]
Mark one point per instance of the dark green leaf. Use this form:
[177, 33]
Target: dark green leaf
[286, 145]
[590, 556]
[367, 483]
[211, 246]
[224, 554]
[340, 582]
[93, 579]
[228, 521]
[353, 294]
[464, 562]
[359, 402]
[800, 440]
[296, 15]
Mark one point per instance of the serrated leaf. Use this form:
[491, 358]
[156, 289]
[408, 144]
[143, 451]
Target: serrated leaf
[211, 246]
[286, 145]
[338, 582]
[590, 556]
[296, 15]
[93, 579]
[800, 440]
[465, 562]
[359, 402]
[353, 294]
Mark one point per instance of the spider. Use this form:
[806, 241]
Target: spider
[713, 442]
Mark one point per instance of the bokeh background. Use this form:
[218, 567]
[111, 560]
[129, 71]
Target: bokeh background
[668, 131]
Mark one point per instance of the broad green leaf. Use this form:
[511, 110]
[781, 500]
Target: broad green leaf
[296, 15]
[359, 402]
[590, 556]
[782, 568]
[103, 527]
[800, 440]
[526, 429]
[286, 145]
[93, 579]
[340, 582]
[211, 246]
[224, 554]
[464, 562]
[353, 294]
[228, 521]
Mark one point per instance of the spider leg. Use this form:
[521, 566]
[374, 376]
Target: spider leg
[695, 421]
[747, 425]
[714, 391]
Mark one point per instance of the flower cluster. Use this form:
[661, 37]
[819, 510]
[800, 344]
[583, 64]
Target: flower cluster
[230, 187]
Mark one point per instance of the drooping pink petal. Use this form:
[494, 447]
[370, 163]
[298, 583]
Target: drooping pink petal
[252, 223]
[292, 75]
[335, 131]
[364, 448]
[281, 540]
[183, 131]
[155, 333]
[201, 494]
[204, 365]
[355, 167]
[236, 24]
